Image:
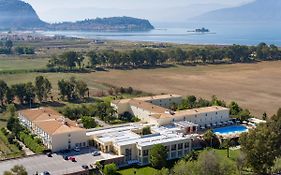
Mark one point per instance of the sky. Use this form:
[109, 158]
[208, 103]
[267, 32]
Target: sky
[153, 10]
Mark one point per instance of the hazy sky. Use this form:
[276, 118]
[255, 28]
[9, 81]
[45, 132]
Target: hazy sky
[155, 10]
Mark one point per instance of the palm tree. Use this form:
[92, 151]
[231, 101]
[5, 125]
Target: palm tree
[226, 143]
[208, 137]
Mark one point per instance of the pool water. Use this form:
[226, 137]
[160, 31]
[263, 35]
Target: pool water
[230, 130]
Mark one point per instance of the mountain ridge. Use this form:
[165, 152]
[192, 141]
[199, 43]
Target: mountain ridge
[256, 11]
[19, 15]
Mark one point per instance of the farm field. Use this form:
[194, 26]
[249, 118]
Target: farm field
[17, 64]
[253, 86]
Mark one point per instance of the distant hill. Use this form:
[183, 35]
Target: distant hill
[257, 11]
[105, 24]
[18, 14]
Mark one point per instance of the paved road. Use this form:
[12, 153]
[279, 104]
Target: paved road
[55, 165]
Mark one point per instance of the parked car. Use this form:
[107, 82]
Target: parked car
[45, 173]
[72, 159]
[49, 154]
[65, 157]
[77, 149]
[96, 153]
[85, 167]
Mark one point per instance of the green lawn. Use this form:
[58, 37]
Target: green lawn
[18, 64]
[140, 171]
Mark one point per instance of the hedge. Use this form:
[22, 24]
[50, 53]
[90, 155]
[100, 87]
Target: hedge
[31, 143]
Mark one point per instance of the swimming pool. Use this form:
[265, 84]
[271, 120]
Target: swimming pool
[231, 130]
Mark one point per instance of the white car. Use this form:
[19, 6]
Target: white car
[77, 149]
[96, 153]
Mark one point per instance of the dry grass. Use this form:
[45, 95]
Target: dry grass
[255, 86]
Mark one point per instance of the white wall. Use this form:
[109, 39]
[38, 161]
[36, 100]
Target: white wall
[61, 141]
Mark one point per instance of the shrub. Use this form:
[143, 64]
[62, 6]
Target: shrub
[31, 143]
[110, 169]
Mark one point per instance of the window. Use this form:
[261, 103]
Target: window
[128, 154]
[186, 145]
[179, 153]
[195, 116]
[145, 153]
[174, 147]
[216, 113]
[180, 146]
[206, 114]
[173, 154]
[69, 135]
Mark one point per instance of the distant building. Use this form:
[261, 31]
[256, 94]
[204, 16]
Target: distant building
[155, 110]
[57, 132]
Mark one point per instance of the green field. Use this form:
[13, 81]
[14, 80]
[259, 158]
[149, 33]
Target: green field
[139, 171]
[17, 64]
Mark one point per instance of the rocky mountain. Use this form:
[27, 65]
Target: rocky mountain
[105, 24]
[18, 14]
[256, 11]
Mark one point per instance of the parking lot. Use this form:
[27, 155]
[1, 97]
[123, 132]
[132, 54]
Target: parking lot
[55, 165]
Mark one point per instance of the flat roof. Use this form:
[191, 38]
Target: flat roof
[125, 136]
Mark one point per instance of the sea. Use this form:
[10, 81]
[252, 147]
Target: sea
[226, 33]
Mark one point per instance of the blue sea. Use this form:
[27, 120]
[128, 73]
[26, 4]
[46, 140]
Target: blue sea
[220, 33]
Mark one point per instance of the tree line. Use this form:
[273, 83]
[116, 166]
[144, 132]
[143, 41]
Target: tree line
[7, 47]
[27, 93]
[157, 57]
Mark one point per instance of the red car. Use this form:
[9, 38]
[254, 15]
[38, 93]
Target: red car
[72, 159]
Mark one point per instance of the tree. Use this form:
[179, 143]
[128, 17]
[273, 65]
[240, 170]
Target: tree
[146, 130]
[181, 167]
[88, 122]
[158, 156]
[24, 92]
[260, 148]
[208, 162]
[227, 143]
[70, 59]
[210, 138]
[11, 110]
[42, 88]
[16, 170]
[110, 169]
[234, 108]
[67, 89]
[3, 91]
[163, 171]
[240, 162]
[81, 88]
